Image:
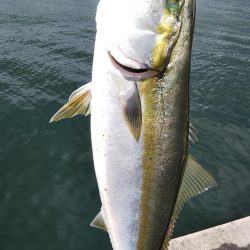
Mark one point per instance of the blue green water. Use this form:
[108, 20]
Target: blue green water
[48, 190]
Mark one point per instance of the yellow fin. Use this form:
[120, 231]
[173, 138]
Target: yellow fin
[195, 181]
[165, 244]
[98, 222]
[133, 113]
[79, 103]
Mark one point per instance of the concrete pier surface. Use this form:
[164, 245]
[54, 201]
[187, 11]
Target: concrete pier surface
[233, 235]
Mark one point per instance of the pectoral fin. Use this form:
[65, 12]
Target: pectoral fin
[79, 103]
[195, 181]
[98, 222]
[133, 113]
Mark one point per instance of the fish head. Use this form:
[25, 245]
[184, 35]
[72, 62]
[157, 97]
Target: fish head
[139, 35]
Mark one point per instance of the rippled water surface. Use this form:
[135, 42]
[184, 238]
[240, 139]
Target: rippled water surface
[48, 189]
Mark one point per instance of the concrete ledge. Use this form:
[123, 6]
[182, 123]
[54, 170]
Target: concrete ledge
[232, 235]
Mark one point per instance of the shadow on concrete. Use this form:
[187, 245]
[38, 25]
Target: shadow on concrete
[231, 246]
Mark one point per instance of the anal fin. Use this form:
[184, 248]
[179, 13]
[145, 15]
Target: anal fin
[98, 222]
[79, 103]
[195, 180]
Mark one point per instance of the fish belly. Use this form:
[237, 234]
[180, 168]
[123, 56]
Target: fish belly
[117, 156]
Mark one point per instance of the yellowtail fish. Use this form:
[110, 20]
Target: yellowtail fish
[139, 104]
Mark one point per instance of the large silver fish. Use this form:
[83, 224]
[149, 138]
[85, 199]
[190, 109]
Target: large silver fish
[139, 105]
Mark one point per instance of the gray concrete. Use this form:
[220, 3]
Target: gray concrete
[233, 235]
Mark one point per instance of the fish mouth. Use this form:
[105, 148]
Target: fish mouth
[137, 73]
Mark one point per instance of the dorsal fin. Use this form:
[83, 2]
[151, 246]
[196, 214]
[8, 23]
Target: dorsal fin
[79, 103]
[195, 181]
[98, 222]
[165, 244]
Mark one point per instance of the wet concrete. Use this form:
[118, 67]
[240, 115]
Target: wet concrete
[230, 236]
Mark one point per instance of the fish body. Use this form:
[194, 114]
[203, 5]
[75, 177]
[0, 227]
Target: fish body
[139, 119]
[139, 180]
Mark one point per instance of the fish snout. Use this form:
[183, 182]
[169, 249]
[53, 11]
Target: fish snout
[131, 68]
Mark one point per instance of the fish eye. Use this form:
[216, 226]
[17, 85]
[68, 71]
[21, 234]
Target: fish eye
[172, 2]
[172, 5]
